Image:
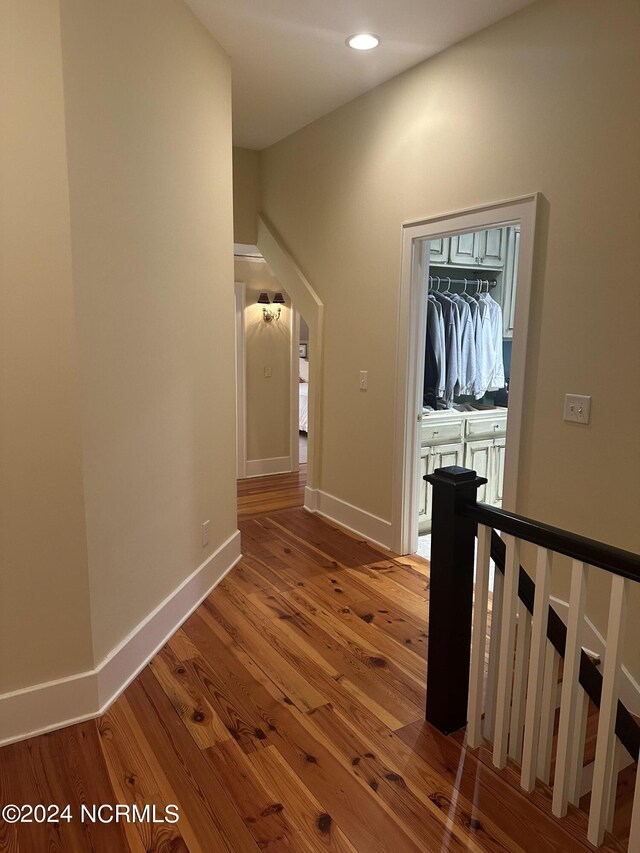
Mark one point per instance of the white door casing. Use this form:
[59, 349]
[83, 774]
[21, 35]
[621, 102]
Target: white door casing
[294, 449]
[410, 354]
[241, 393]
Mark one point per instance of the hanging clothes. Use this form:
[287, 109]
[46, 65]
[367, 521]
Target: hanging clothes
[467, 350]
[451, 322]
[476, 321]
[435, 356]
[464, 348]
[496, 379]
[487, 350]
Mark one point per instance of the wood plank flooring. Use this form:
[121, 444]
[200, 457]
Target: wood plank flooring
[285, 715]
[261, 495]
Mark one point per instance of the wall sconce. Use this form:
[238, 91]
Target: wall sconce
[269, 314]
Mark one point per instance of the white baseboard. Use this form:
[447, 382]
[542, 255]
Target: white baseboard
[264, 467]
[45, 707]
[595, 642]
[310, 499]
[376, 530]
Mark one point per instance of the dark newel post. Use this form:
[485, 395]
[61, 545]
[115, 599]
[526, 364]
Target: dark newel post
[450, 597]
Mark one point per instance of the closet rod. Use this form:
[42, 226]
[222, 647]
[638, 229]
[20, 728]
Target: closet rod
[469, 281]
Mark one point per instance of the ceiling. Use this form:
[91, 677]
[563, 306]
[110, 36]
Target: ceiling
[290, 64]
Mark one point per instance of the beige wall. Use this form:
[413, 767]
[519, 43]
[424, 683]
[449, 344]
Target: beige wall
[246, 195]
[542, 101]
[117, 434]
[148, 118]
[45, 629]
[266, 345]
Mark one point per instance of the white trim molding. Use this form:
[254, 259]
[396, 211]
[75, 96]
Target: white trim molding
[310, 499]
[248, 252]
[265, 467]
[354, 519]
[411, 330]
[240, 289]
[294, 390]
[45, 707]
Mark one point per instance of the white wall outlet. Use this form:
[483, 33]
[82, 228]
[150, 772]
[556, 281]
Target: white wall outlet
[205, 533]
[267, 373]
[364, 380]
[577, 408]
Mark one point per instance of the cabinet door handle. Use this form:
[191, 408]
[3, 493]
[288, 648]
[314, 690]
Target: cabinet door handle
[436, 432]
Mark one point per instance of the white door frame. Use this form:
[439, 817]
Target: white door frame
[241, 384]
[295, 390]
[241, 394]
[411, 343]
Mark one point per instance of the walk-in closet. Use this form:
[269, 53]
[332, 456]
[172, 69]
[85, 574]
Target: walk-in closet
[470, 287]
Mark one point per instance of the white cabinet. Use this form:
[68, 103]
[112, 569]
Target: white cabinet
[510, 281]
[439, 250]
[492, 248]
[464, 250]
[486, 458]
[484, 450]
[424, 519]
[477, 456]
[475, 440]
[480, 249]
[499, 445]
[432, 457]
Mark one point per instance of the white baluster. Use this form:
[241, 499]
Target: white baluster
[570, 686]
[548, 712]
[634, 835]
[505, 663]
[479, 638]
[605, 765]
[535, 691]
[613, 788]
[523, 651]
[577, 748]
[494, 655]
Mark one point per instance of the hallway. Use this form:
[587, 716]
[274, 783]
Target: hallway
[285, 715]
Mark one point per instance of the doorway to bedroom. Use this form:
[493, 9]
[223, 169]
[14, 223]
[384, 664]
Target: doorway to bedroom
[273, 352]
[303, 392]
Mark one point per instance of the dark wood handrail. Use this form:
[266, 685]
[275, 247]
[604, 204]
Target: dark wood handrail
[615, 560]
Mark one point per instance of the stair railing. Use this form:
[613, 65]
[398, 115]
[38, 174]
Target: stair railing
[526, 641]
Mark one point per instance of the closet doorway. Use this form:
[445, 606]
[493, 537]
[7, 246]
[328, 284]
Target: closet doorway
[464, 307]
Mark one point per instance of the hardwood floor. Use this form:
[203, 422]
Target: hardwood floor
[285, 715]
[262, 495]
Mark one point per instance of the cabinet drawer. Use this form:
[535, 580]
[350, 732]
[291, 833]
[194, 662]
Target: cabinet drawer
[484, 427]
[436, 433]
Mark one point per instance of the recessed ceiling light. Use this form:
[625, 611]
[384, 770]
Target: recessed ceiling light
[363, 41]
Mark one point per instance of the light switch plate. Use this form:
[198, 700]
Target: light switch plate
[577, 408]
[364, 380]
